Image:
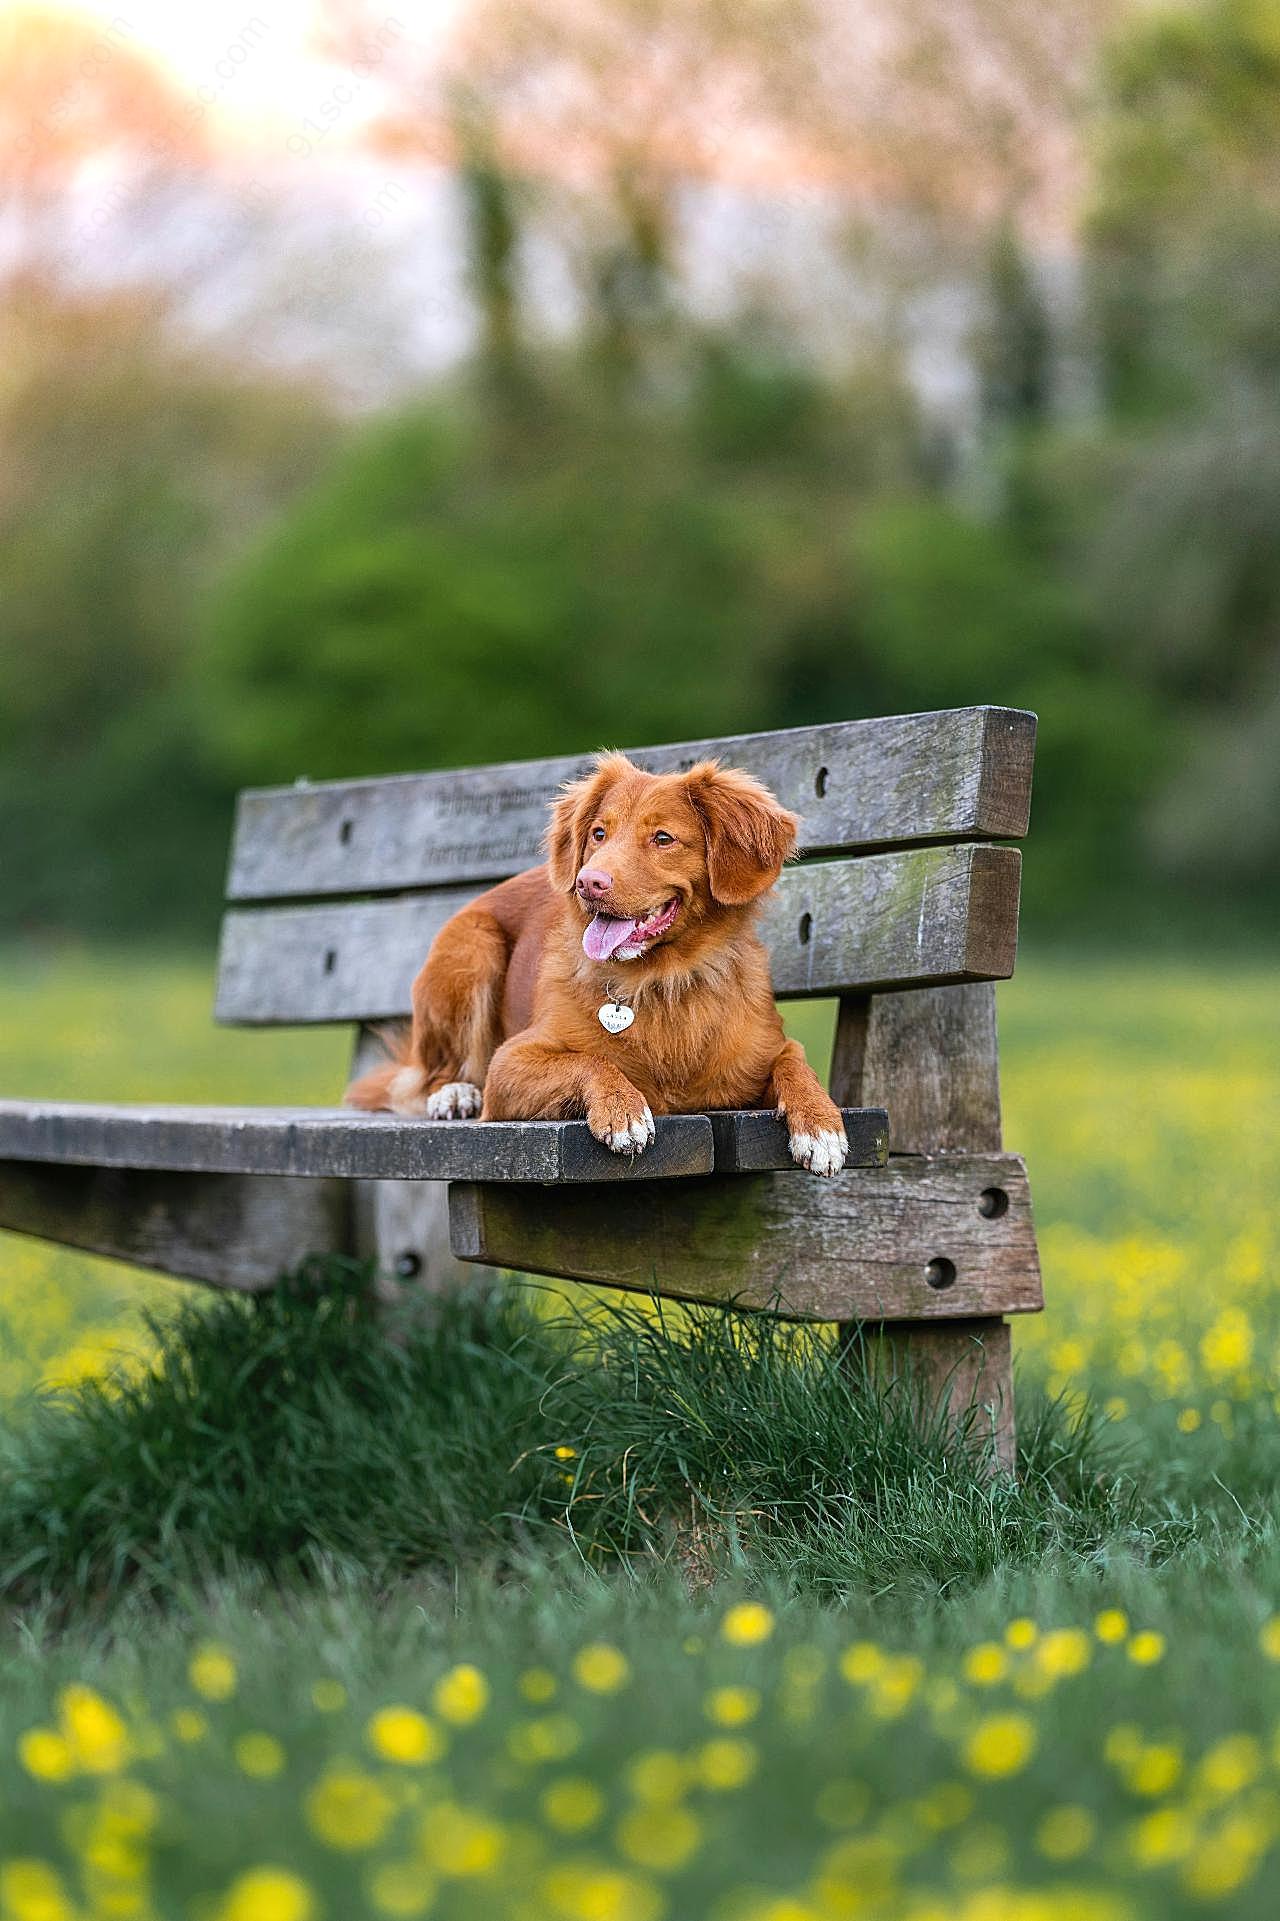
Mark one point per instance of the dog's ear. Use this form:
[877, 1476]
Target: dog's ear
[574, 812]
[749, 834]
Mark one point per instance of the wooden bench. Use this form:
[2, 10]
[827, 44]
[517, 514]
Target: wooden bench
[904, 907]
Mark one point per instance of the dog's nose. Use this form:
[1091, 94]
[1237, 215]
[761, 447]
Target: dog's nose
[594, 883]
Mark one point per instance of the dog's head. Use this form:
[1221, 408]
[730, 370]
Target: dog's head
[647, 857]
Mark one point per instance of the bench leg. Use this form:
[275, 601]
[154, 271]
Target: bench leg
[403, 1226]
[931, 1058]
[962, 1365]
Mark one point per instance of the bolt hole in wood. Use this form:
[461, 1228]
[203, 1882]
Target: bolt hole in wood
[992, 1203]
[805, 929]
[408, 1265]
[344, 832]
[820, 782]
[940, 1272]
[330, 959]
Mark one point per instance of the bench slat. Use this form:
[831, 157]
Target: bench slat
[959, 774]
[919, 917]
[334, 1142]
[859, 1248]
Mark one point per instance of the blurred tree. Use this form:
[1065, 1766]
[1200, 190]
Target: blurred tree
[131, 471]
[1184, 244]
[1014, 347]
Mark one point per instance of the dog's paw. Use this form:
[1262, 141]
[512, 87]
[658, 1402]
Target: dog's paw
[455, 1101]
[624, 1127]
[823, 1152]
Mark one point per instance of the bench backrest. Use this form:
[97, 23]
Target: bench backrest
[905, 877]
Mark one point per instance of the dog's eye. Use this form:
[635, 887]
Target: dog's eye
[597, 833]
[663, 839]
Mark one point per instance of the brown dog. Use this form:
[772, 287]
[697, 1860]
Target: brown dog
[622, 979]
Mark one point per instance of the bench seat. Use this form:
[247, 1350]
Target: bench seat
[324, 1142]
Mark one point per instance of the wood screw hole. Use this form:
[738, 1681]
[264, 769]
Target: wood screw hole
[992, 1203]
[330, 959]
[408, 1265]
[940, 1272]
[820, 782]
[344, 832]
[805, 929]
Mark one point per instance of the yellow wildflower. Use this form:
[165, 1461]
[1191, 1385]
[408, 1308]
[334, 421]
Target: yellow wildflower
[1063, 1651]
[188, 1725]
[726, 1763]
[1065, 1832]
[267, 1894]
[461, 1843]
[661, 1838]
[328, 1696]
[732, 1707]
[1229, 1765]
[93, 1731]
[402, 1734]
[1269, 1638]
[1001, 1744]
[401, 1888]
[1111, 1625]
[601, 1669]
[985, 1664]
[461, 1695]
[1146, 1648]
[658, 1775]
[212, 1672]
[259, 1755]
[572, 1805]
[586, 1892]
[348, 1809]
[31, 1890]
[746, 1625]
[1155, 1769]
[1021, 1634]
[46, 1754]
[537, 1685]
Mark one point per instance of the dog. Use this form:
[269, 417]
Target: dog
[622, 979]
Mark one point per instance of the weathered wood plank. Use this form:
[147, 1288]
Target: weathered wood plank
[753, 1141]
[920, 1239]
[318, 1143]
[227, 1230]
[932, 1059]
[916, 917]
[960, 774]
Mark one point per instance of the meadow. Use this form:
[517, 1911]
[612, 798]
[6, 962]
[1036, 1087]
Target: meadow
[559, 1611]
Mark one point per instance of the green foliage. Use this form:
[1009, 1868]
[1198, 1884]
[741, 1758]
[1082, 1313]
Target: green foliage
[576, 569]
[133, 472]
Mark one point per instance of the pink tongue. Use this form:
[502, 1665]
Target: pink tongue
[605, 935]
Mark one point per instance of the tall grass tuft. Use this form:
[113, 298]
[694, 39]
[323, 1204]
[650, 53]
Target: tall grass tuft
[294, 1431]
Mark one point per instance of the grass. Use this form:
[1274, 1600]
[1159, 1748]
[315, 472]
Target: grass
[554, 1609]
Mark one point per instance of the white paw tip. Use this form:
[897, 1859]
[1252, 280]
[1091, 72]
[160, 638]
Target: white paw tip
[634, 1138]
[822, 1153]
[455, 1101]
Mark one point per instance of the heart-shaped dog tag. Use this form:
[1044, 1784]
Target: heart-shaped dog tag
[615, 1018]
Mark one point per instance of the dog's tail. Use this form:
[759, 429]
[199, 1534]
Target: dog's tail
[374, 1091]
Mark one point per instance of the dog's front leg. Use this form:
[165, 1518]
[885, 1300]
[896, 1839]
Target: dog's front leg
[532, 1080]
[816, 1131]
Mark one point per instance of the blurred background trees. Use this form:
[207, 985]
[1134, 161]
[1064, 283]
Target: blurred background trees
[806, 368]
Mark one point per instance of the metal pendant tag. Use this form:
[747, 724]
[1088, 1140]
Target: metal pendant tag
[615, 1018]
